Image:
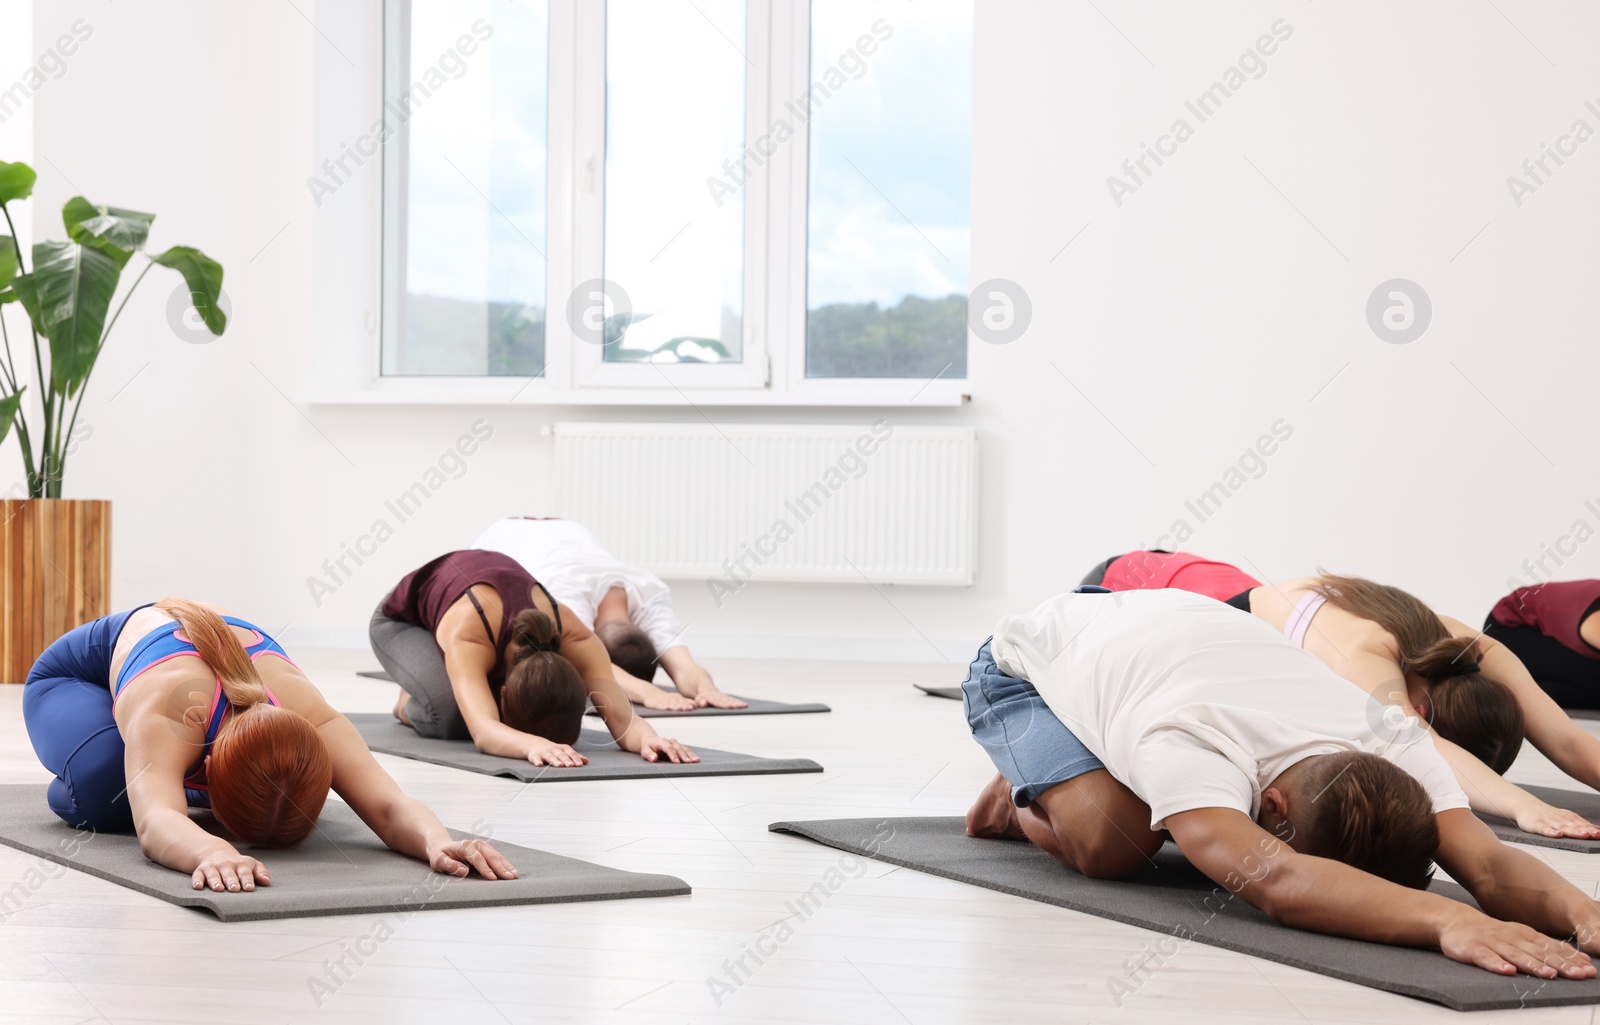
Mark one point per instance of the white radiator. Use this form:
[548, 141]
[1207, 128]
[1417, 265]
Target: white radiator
[849, 503]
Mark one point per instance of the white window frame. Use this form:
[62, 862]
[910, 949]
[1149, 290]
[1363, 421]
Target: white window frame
[592, 370]
[773, 364]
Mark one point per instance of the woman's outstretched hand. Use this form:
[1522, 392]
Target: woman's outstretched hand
[1547, 820]
[714, 698]
[231, 871]
[559, 755]
[460, 857]
[656, 748]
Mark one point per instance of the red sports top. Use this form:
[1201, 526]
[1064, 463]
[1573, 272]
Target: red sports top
[1144, 571]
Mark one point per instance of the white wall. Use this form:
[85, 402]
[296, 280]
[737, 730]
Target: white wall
[1192, 317]
[16, 143]
[16, 114]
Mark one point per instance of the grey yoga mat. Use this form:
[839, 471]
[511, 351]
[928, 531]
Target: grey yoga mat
[1583, 803]
[384, 733]
[1176, 900]
[343, 869]
[756, 706]
[939, 692]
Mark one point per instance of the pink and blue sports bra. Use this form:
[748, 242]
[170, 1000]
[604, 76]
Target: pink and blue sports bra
[168, 642]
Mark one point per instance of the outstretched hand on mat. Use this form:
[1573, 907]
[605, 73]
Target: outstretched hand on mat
[459, 858]
[696, 684]
[717, 699]
[665, 700]
[1508, 948]
[229, 870]
[653, 749]
[545, 752]
[1548, 820]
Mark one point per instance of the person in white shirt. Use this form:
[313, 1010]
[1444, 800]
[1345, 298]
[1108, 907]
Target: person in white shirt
[1118, 721]
[628, 608]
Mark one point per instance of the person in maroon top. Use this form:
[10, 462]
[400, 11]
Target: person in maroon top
[481, 651]
[1554, 628]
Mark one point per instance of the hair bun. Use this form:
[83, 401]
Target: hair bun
[532, 630]
[1446, 659]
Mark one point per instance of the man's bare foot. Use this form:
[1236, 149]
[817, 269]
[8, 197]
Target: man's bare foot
[993, 815]
[400, 708]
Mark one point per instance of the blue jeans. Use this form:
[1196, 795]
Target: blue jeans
[1029, 746]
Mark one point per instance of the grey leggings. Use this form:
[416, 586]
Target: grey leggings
[411, 656]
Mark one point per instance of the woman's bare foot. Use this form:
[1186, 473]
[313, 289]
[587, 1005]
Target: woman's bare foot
[400, 708]
[993, 815]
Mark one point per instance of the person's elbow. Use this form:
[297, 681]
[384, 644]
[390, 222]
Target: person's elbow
[482, 735]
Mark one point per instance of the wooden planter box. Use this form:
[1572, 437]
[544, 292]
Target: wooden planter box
[55, 574]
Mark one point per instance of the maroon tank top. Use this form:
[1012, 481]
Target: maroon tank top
[1556, 610]
[425, 595]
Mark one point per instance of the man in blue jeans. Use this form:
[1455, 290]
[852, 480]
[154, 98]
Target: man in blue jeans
[1118, 721]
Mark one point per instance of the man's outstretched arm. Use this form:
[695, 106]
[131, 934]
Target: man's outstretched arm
[1321, 895]
[694, 681]
[1514, 885]
[641, 692]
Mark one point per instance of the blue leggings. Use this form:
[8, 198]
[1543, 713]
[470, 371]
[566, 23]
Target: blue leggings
[66, 705]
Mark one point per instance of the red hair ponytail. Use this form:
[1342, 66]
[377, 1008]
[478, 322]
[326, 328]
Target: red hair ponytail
[269, 772]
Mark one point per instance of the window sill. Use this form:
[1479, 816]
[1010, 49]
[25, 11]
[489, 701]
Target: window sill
[513, 392]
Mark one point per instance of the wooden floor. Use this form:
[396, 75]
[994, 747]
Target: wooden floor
[891, 946]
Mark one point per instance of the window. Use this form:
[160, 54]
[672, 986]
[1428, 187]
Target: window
[465, 200]
[674, 107]
[750, 194]
[891, 141]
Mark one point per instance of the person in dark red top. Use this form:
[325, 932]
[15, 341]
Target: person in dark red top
[1554, 628]
[481, 651]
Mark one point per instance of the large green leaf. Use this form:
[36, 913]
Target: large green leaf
[8, 261]
[204, 276]
[16, 181]
[67, 296]
[112, 230]
[8, 411]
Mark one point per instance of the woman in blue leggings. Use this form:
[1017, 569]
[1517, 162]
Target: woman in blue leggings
[144, 714]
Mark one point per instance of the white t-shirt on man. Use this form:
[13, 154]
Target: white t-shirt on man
[565, 557]
[1193, 704]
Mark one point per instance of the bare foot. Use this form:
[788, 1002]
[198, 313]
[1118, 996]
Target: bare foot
[400, 708]
[993, 815]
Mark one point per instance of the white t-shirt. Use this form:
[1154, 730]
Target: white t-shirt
[1193, 704]
[565, 557]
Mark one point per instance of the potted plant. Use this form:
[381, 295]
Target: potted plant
[55, 554]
